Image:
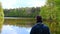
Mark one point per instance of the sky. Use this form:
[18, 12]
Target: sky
[7, 4]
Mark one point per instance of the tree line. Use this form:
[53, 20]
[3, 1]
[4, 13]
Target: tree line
[22, 12]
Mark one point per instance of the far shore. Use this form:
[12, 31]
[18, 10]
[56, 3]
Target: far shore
[17, 18]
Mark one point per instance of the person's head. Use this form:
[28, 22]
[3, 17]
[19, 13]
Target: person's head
[39, 19]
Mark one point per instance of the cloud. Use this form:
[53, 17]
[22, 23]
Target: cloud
[8, 3]
[22, 3]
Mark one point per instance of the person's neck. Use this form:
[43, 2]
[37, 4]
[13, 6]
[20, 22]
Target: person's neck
[39, 21]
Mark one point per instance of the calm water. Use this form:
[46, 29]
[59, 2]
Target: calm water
[14, 26]
[10, 29]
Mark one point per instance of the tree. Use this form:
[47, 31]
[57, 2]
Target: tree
[51, 12]
[1, 16]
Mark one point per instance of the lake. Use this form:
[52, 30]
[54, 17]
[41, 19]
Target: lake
[10, 29]
[17, 25]
[23, 26]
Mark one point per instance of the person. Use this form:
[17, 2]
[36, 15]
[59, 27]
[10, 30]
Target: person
[39, 28]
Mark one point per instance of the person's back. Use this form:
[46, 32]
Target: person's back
[40, 28]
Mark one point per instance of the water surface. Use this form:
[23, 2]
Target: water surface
[10, 29]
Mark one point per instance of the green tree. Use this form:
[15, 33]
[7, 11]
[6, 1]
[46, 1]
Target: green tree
[1, 16]
[51, 13]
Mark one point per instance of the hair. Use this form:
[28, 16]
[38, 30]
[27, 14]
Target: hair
[39, 19]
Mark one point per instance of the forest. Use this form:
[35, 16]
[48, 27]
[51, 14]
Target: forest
[22, 12]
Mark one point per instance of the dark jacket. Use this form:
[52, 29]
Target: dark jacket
[40, 29]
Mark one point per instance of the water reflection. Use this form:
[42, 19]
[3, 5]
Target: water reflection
[10, 29]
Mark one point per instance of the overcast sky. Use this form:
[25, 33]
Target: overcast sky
[22, 3]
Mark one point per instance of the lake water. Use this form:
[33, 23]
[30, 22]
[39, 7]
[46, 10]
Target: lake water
[10, 29]
[17, 26]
